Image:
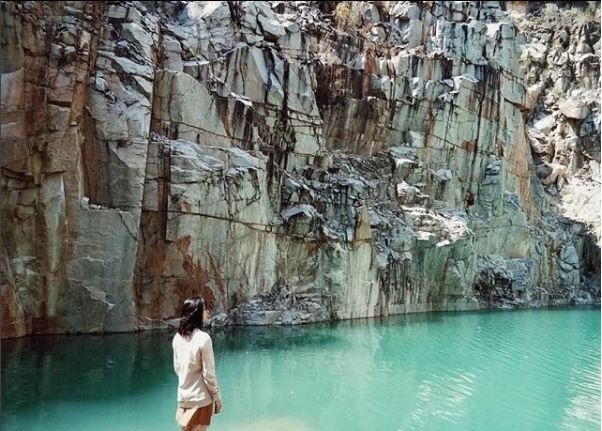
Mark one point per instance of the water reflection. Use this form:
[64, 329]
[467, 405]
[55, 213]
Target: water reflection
[82, 367]
[443, 371]
[257, 338]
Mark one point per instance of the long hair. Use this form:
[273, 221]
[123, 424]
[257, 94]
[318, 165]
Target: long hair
[192, 315]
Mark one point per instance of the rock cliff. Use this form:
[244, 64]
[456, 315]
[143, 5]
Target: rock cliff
[295, 161]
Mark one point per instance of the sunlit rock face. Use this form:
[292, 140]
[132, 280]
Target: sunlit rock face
[295, 161]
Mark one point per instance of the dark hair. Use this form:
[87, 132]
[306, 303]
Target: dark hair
[192, 315]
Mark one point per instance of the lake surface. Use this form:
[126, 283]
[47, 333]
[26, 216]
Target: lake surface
[511, 370]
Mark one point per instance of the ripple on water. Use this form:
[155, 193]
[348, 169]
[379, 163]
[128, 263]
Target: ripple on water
[281, 423]
[535, 370]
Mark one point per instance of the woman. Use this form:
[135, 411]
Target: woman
[198, 391]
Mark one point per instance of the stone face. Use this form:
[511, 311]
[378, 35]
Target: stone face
[291, 166]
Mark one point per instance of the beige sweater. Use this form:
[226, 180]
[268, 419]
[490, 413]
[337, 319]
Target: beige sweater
[195, 366]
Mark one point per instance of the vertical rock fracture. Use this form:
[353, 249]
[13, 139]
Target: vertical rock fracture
[295, 161]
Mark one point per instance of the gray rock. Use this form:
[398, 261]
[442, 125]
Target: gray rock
[291, 166]
[218, 320]
[271, 27]
[572, 108]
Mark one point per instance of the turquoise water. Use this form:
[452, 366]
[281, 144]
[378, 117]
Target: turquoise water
[512, 370]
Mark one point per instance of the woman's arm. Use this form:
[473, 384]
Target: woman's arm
[176, 365]
[209, 369]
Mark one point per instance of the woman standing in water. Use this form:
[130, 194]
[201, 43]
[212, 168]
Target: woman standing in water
[193, 361]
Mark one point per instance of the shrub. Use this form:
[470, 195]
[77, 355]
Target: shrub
[346, 16]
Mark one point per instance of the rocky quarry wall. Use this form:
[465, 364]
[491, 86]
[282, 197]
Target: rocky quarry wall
[295, 161]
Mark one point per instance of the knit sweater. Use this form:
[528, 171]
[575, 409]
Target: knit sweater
[194, 364]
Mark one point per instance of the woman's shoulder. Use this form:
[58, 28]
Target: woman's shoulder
[201, 335]
[197, 336]
[201, 338]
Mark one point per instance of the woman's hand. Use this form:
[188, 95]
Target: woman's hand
[217, 406]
